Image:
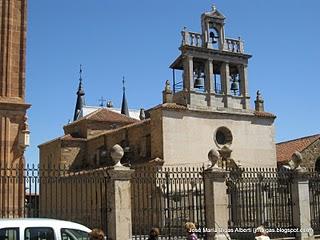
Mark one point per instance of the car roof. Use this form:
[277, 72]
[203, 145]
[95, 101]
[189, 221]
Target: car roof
[41, 222]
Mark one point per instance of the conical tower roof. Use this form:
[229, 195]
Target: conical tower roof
[80, 99]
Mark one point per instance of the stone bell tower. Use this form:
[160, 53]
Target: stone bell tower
[214, 68]
[14, 132]
[209, 104]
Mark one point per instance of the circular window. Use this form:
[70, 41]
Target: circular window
[223, 136]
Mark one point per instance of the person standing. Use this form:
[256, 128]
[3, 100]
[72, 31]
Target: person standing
[154, 234]
[190, 228]
[96, 234]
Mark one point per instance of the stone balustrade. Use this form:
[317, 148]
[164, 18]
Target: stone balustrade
[233, 45]
[195, 39]
[191, 38]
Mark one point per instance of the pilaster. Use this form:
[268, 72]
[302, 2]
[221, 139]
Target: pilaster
[119, 203]
[301, 205]
[188, 73]
[225, 82]
[216, 203]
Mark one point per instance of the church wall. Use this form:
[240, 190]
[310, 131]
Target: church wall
[50, 153]
[188, 137]
[73, 153]
[156, 134]
[135, 136]
[95, 128]
[78, 128]
[310, 154]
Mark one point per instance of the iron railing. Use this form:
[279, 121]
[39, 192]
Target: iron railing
[314, 195]
[54, 192]
[259, 197]
[167, 198]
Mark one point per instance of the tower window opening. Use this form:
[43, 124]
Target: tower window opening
[235, 84]
[213, 35]
[177, 76]
[198, 78]
[217, 83]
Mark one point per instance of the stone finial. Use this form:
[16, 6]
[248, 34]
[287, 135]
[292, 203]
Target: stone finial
[213, 156]
[213, 8]
[167, 93]
[225, 152]
[117, 154]
[295, 162]
[142, 114]
[167, 87]
[109, 104]
[259, 102]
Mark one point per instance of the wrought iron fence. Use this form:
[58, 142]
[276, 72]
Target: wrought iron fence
[259, 197]
[54, 192]
[314, 195]
[167, 198]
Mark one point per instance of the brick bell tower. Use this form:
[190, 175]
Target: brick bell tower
[14, 132]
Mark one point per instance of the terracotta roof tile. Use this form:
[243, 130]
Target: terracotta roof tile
[286, 149]
[105, 115]
[264, 114]
[72, 138]
[110, 116]
[169, 106]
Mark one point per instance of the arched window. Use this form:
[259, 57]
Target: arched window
[317, 164]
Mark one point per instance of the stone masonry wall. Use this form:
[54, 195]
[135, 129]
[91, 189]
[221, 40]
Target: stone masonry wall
[311, 154]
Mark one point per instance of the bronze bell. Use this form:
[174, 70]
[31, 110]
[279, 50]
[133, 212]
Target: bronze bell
[198, 83]
[213, 37]
[234, 86]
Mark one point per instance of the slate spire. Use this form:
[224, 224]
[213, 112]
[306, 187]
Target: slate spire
[124, 105]
[80, 98]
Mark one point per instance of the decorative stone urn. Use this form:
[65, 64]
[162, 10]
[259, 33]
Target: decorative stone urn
[213, 156]
[116, 155]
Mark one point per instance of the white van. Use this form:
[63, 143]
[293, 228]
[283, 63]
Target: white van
[41, 229]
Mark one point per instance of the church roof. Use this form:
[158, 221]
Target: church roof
[106, 115]
[134, 113]
[287, 148]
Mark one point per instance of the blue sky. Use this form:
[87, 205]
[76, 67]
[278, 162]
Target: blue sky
[139, 40]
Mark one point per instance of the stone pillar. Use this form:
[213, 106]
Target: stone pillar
[188, 72]
[301, 205]
[259, 103]
[216, 199]
[209, 80]
[244, 88]
[167, 95]
[119, 217]
[225, 82]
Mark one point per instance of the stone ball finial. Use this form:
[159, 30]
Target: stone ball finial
[167, 87]
[258, 94]
[296, 160]
[142, 114]
[213, 156]
[116, 154]
[109, 104]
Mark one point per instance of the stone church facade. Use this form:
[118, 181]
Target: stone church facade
[14, 132]
[208, 108]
